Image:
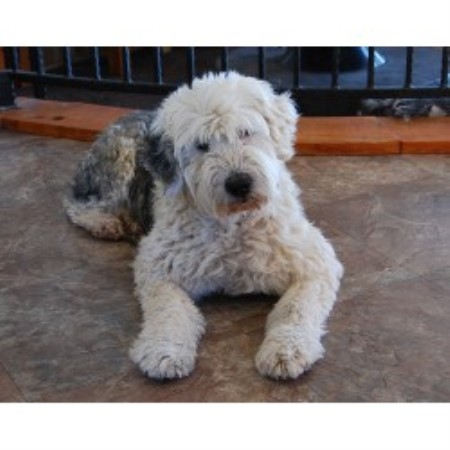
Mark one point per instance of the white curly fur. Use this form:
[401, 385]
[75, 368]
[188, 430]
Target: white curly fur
[203, 240]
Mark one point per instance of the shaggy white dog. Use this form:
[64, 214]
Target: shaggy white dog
[226, 217]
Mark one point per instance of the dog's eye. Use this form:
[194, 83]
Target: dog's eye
[203, 146]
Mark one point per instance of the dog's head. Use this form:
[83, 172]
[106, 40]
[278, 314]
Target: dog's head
[223, 140]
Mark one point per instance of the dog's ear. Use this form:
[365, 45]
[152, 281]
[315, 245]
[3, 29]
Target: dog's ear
[156, 155]
[281, 115]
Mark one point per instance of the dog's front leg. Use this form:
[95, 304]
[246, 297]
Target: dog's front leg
[172, 327]
[294, 328]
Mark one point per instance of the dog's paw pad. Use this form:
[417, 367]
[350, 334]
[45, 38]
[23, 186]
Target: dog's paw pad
[282, 360]
[164, 363]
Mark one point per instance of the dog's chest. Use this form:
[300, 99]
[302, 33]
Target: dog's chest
[234, 258]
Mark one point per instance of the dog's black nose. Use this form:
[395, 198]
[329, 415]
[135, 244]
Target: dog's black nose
[239, 184]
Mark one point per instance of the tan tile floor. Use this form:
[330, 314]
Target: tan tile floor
[68, 316]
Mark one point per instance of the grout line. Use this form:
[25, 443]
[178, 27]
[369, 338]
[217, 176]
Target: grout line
[13, 381]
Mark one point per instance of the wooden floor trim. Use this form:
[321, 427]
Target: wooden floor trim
[315, 136]
[72, 120]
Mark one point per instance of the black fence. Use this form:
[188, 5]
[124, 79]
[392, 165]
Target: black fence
[323, 80]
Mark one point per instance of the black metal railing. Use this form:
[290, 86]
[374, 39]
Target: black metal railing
[331, 88]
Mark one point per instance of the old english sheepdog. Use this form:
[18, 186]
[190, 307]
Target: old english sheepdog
[204, 180]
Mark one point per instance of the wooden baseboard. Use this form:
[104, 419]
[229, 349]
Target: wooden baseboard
[72, 120]
[315, 136]
[372, 135]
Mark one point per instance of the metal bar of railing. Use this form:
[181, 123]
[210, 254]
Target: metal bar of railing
[38, 65]
[68, 62]
[96, 58]
[126, 65]
[335, 67]
[6, 88]
[37, 60]
[93, 84]
[371, 68]
[262, 66]
[157, 53]
[409, 67]
[224, 59]
[7, 84]
[444, 67]
[296, 61]
[14, 59]
[11, 59]
[190, 64]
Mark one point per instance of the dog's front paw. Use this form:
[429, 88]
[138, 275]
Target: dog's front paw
[282, 356]
[170, 360]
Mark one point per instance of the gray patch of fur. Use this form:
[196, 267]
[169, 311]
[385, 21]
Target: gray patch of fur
[117, 175]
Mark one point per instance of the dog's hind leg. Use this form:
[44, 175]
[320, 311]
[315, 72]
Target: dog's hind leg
[96, 220]
[107, 193]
